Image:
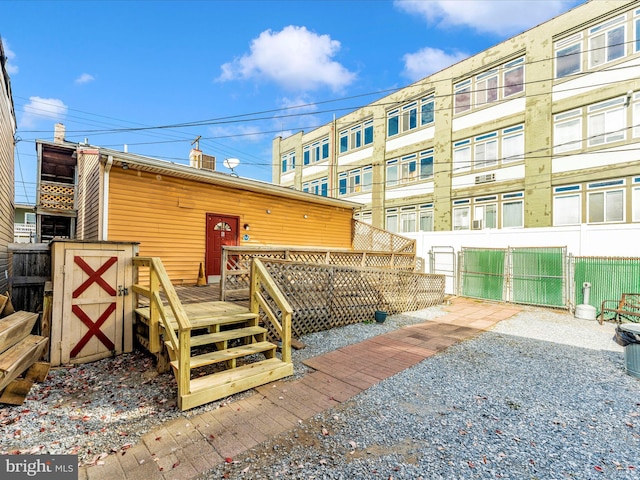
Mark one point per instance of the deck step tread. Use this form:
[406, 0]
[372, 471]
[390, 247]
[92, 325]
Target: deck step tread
[204, 320]
[209, 338]
[228, 354]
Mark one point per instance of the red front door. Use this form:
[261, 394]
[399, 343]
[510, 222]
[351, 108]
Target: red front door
[221, 230]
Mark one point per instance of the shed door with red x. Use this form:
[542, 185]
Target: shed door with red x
[92, 318]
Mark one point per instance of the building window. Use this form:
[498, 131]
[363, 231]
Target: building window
[461, 217]
[352, 181]
[512, 210]
[568, 56]
[485, 213]
[367, 179]
[487, 87]
[486, 150]
[426, 217]
[606, 206]
[427, 110]
[462, 155]
[567, 131]
[30, 218]
[426, 164]
[513, 144]
[316, 152]
[407, 219]
[513, 78]
[567, 205]
[462, 97]
[607, 42]
[392, 220]
[355, 137]
[288, 162]
[635, 200]
[607, 122]
[636, 25]
[317, 187]
[365, 217]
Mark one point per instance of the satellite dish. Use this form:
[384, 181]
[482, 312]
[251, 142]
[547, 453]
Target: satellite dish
[231, 163]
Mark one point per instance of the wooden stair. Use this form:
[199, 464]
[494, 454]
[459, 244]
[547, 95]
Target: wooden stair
[226, 338]
[19, 350]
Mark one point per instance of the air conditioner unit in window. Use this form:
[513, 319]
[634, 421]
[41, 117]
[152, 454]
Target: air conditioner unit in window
[488, 177]
[476, 225]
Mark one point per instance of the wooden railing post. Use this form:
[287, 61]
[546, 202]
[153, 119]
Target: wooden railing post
[154, 315]
[184, 362]
[223, 273]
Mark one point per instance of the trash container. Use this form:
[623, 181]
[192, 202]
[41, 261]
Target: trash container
[628, 335]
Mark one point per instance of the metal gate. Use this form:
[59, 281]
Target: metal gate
[532, 276]
[482, 273]
[537, 276]
[442, 260]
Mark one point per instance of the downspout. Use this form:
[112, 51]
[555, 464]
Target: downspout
[105, 198]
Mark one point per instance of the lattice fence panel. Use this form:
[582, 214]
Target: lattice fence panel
[57, 197]
[369, 238]
[309, 257]
[345, 258]
[329, 296]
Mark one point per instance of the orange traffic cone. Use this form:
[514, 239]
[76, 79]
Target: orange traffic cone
[202, 281]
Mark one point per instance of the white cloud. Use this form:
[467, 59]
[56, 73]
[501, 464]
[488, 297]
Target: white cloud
[42, 108]
[295, 58]
[11, 68]
[427, 61]
[487, 16]
[84, 78]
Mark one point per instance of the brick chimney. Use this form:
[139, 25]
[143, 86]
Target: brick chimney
[58, 133]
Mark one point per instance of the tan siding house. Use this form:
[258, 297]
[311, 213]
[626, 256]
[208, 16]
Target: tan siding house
[7, 132]
[184, 215]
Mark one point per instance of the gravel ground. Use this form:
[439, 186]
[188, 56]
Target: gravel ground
[542, 395]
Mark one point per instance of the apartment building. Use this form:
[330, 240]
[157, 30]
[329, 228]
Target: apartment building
[540, 130]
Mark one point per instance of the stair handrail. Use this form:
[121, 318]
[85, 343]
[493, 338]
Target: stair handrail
[260, 277]
[180, 343]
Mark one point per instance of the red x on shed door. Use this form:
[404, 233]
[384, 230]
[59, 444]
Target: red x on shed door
[92, 309]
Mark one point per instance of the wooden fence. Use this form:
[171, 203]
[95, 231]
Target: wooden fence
[31, 264]
[235, 278]
[328, 296]
[372, 239]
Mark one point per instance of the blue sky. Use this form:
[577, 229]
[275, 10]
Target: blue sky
[154, 75]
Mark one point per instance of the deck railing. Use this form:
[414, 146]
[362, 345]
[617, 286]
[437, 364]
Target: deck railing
[272, 306]
[322, 297]
[181, 342]
[236, 261]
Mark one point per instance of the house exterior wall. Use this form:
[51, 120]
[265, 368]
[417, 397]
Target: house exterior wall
[7, 132]
[552, 142]
[88, 199]
[167, 216]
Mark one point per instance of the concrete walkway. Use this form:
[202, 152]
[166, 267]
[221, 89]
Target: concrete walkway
[186, 447]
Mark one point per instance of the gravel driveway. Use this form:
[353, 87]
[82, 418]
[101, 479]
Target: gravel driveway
[541, 396]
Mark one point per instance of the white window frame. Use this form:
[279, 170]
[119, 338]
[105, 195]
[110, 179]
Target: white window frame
[485, 93]
[604, 30]
[606, 188]
[461, 206]
[407, 220]
[510, 135]
[635, 200]
[462, 155]
[508, 199]
[571, 140]
[559, 195]
[459, 90]
[426, 212]
[391, 214]
[367, 179]
[288, 162]
[614, 122]
[508, 68]
[483, 157]
[480, 211]
[566, 45]
[430, 99]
